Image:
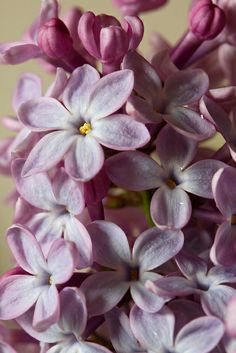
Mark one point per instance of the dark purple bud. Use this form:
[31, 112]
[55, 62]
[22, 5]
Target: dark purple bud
[55, 40]
[206, 20]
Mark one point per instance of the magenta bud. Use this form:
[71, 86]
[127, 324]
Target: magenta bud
[54, 39]
[206, 20]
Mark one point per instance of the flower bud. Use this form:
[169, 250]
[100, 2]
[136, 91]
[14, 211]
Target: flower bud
[134, 7]
[206, 20]
[54, 39]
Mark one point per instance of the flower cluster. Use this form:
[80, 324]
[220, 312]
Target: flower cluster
[124, 232]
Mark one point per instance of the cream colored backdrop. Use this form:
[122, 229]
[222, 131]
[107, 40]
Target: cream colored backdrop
[15, 17]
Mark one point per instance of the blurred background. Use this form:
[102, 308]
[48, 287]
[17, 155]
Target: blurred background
[15, 18]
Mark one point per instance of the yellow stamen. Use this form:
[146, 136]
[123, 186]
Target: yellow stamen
[171, 183]
[233, 219]
[85, 129]
[51, 280]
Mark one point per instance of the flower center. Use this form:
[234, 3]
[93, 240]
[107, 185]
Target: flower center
[51, 280]
[134, 274]
[85, 129]
[233, 220]
[171, 183]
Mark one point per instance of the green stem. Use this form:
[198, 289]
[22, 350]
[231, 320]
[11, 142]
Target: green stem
[146, 200]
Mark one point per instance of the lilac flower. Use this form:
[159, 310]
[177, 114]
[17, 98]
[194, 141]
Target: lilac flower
[134, 7]
[155, 332]
[174, 102]
[214, 295]
[57, 203]
[223, 250]
[230, 318]
[76, 129]
[37, 284]
[68, 334]
[170, 204]
[152, 248]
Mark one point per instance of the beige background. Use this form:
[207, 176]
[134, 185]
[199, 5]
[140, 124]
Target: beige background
[15, 17]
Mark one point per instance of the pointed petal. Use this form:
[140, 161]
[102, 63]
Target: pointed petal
[110, 94]
[189, 123]
[44, 114]
[58, 85]
[73, 311]
[26, 249]
[200, 335]
[154, 331]
[120, 132]
[18, 294]
[181, 153]
[134, 171]
[28, 87]
[221, 274]
[61, 261]
[145, 299]
[76, 232]
[170, 208]
[18, 52]
[224, 190]
[185, 87]
[191, 265]
[68, 192]
[103, 291]
[47, 309]
[223, 250]
[120, 333]
[142, 110]
[110, 244]
[85, 159]
[215, 300]
[154, 247]
[146, 81]
[197, 178]
[41, 196]
[174, 286]
[77, 92]
[48, 152]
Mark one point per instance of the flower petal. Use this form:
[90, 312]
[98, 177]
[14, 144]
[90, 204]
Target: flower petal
[154, 247]
[197, 178]
[88, 347]
[18, 52]
[181, 153]
[85, 159]
[61, 261]
[200, 335]
[44, 114]
[28, 87]
[26, 249]
[170, 208]
[18, 294]
[174, 286]
[41, 196]
[79, 87]
[110, 244]
[109, 94]
[76, 232]
[145, 299]
[134, 171]
[142, 110]
[73, 311]
[189, 123]
[103, 291]
[58, 85]
[5, 348]
[120, 132]
[154, 331]
[48, 152]
[192, 266]
[185, 87]
[47, 309]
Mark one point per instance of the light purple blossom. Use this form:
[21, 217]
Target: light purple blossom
[37, 283]
[76, 130]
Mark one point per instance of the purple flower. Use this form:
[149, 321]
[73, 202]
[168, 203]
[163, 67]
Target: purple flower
[170, 204]
[76, 129]
[152, 248]
[176, 102]
[68, 334]
[37, 283]
[223, 250]
[214, 295]
[155, 332]
[57, 203]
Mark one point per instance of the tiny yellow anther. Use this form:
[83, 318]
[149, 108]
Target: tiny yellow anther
[85, 129]
[51, 280]
[171, 183]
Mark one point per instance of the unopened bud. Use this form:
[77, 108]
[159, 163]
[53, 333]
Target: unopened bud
[54, 39]
[206, 20]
